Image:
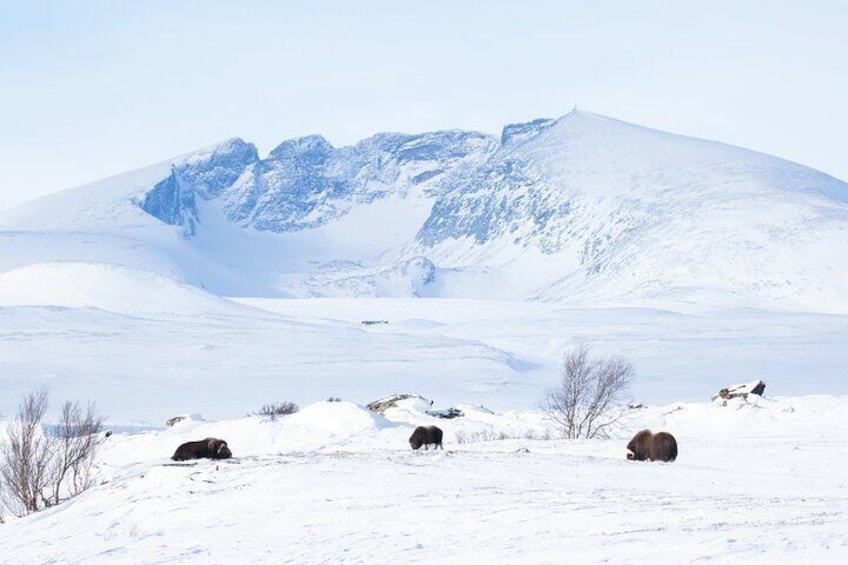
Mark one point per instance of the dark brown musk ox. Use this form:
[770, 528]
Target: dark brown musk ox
[426, 435]
[659, 446]
[211, 448]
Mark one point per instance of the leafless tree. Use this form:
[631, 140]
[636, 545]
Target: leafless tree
[583, 404]
[76, 439]
[38, 468]
[25, 457]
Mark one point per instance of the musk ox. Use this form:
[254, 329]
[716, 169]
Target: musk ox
[426, 436]
[212, 448]
[654, 447]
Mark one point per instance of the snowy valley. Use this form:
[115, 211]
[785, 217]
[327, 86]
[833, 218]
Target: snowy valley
[459, 266]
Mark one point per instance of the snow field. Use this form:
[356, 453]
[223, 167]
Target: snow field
[101, 301]
[143, 366]
[760, 482]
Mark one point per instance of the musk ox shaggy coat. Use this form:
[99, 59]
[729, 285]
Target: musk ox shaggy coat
[654, 447]
[211, 447]
[426, 436]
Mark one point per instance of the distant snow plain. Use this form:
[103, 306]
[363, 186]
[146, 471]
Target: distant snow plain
[759, 482]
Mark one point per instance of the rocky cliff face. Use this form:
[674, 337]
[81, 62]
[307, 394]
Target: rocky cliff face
[306, 183]
[621, 212]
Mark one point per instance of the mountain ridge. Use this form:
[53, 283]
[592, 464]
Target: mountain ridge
[578, 209]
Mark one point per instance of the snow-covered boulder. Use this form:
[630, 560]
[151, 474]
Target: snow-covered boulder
[403, 400]
[171, 422]
[459, 411]
[740, 391]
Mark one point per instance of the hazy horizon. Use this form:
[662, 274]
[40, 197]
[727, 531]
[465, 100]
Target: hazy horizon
[97, 89]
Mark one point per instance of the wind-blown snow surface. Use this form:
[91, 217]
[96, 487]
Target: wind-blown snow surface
[759, 482]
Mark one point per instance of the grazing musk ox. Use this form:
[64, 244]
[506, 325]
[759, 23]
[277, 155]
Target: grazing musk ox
[654, 447]
[212, 448]
[426, 436]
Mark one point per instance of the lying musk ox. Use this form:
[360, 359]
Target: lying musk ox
[211, 447]
[654, 447]
[426, 436]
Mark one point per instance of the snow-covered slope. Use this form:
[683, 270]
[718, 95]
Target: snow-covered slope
[760, 483]
[621, 214]
[105, 286]
[583, 209]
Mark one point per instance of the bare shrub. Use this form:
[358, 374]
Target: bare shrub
[583, 404]
[25, 458]
[76, 439]
[37, 468]
[530, 433]
[477, 436]
[334, 399]
[278, 409]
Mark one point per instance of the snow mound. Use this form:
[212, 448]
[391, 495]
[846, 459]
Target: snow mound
[336, 419]
[323, 425]
[318, 425]
[105, 286]
[740, 417]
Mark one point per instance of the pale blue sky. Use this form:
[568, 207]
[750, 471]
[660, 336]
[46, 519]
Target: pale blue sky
[91, 89]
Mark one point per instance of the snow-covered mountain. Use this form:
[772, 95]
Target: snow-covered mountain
[582, 209]
[628, 214]
[157, 293]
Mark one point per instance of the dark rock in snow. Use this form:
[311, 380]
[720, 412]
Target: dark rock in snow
[394, 400]
[740, 391]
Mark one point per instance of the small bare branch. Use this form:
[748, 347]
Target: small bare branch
[278, 409]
